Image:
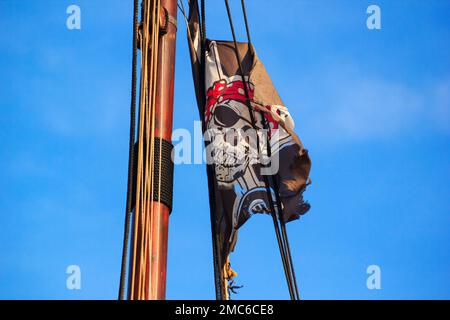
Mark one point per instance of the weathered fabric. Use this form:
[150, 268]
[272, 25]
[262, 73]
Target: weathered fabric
[239, 163]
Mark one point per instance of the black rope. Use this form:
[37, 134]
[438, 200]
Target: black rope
[281, 246]
[275, 181]
[247, 29]
[286, 247]
[123, 272]
[203, 45]
[203, 21]
[289, 257]
[203, 33]
[285, 236]
[218, 274]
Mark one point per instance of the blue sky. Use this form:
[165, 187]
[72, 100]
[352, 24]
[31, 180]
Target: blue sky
[372, 106]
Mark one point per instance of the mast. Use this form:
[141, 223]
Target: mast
[153, 166]
[156, 279]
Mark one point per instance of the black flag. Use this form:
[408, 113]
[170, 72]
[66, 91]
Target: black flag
[246, 141]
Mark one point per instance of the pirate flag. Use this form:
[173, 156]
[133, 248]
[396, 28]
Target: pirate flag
[256, 163]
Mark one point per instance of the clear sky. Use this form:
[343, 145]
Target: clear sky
[372, 107]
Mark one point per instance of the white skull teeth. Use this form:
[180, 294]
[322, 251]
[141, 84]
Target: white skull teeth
[227, 159]
[230, 160]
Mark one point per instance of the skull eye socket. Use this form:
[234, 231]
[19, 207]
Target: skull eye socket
[224, 116]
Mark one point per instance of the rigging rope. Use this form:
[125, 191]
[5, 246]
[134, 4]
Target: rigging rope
[247, 29]
[145, 171]
[130, 154]
[275, 180]
[221, 292]
[286, 258]
[282, 238]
